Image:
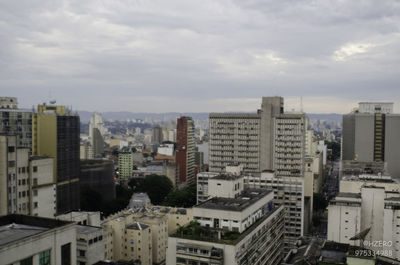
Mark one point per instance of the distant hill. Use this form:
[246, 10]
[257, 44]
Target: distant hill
[124, 115]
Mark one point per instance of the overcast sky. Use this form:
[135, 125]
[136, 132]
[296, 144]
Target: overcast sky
[200, 56]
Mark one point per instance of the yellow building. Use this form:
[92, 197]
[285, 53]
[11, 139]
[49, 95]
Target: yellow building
[159, 219]
[55, 133]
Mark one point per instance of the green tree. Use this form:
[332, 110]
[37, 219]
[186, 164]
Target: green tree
[156, 187]
[182, 198]
[335, 146]
[90, 200]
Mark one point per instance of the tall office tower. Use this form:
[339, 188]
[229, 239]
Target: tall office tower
[371, 133]
[157, 134]
[234, 138]
[289, 145]
[56, 134]
[246, 139]
[185, 150]
[16, 121]
[267, 141]
[96, 132]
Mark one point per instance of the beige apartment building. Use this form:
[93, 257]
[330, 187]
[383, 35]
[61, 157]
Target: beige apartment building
[159, 221]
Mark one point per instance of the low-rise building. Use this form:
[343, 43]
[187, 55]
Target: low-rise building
[160, 220]
[81, 217]
[36, 240]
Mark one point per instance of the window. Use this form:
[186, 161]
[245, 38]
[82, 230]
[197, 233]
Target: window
[35, 205]
[180, 260]
[35, 169]
[81, 253]
[27, 261]
[11, 149]
[44, 258]
[35, 192]
[66, 254]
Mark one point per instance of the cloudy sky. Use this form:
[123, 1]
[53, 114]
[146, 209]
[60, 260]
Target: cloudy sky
[200, 56]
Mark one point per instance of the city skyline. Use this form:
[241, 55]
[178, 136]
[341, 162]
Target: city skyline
[190, 57]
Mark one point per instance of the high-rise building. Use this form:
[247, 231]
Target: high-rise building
[268, 142]
[16, 121]
[371, 133]
[26, 183]
[185, 150]
[125, 164]
[8, 103]
[247, 139]
[157, 134]
[96, 133]
[14, 168]
[56, 134]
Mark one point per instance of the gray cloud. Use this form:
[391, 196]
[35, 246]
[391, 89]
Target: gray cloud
[182, 55]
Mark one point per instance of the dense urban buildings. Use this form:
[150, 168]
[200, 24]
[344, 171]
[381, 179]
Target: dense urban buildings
[56, 134]
[370, 133]
[185, 150]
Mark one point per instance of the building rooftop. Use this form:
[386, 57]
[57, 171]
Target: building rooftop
[227, 177]
[137, 226]
[15, 227]
[87, 229]
[234, 115]
[246, 199]
[307, 249]
[349, 195]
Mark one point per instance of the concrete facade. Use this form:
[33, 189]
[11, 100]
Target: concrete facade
[251, 217]
[36, 240]
[89, 244]
[373, 210]
[372, 135]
